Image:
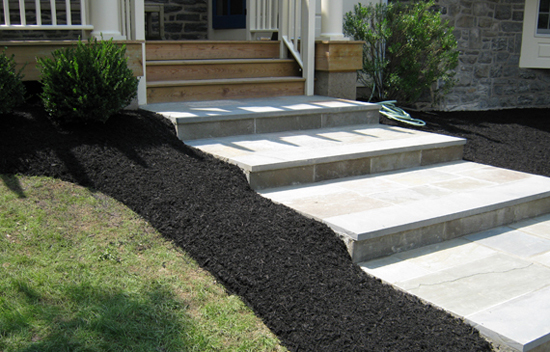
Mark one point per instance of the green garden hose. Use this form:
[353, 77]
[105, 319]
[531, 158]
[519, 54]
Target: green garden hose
[388, 109]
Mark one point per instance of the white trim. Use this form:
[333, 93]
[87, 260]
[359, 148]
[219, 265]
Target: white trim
[535, 48]
[23, 13]
[53, 9]
[308, 45]
[18, 27]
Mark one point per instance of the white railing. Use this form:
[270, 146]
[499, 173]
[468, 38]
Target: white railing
[32, 16]
[294, 21]
[132, 19]
[263, 17]
[127, 13]
[297, 35]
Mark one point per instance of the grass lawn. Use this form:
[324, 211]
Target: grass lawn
[81, 272]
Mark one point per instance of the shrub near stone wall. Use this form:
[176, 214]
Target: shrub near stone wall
[184, 19]
[489, 34]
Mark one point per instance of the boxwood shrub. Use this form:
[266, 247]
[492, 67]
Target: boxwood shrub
[12, 90]
[87, 83]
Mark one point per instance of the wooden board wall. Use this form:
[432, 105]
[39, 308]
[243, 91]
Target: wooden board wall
[343, 56]
[26, 53]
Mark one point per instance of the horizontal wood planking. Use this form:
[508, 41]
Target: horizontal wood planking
[207, 69]
[27, 52]
[231, 89]
[345, 56]
[193, 50]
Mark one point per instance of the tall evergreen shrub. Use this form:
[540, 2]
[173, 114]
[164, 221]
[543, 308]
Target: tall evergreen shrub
[409, 50]
[89, 82]
[12, 90]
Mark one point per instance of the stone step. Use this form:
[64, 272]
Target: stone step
[300, 157]
[496, 280]
[383, 214]
[223, 118]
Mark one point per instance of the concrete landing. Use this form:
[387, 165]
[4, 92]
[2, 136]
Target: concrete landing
[299, 157]
[498, 280]
[222, 118]
[383, 214]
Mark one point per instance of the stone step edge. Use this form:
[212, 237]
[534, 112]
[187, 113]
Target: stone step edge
[382, 148]
[368, 107]
[535, 191]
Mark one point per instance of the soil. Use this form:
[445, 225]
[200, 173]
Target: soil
[294, 272]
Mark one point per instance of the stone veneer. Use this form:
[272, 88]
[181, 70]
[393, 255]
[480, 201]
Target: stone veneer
[489, 34]
[184, 19]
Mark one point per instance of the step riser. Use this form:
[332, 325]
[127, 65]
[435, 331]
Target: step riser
[219, 71]
[230, 91]
[257, 125]
[373, 248]
[354, 167]
[195, 50]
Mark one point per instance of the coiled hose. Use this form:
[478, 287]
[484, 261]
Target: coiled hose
[388, 109]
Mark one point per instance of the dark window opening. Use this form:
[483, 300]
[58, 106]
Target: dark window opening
[229, 14]
[543, 25]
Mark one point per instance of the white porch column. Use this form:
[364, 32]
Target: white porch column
[105, 17]
[332, 20]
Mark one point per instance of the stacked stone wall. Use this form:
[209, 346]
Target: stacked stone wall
[184, 19]
[489, 35]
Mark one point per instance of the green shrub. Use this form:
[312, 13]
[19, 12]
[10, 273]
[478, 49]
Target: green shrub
[409, 50]
[12, 90]
[89, 82]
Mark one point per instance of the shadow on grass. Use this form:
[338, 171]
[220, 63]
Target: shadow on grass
[95, 319]
[13, 184]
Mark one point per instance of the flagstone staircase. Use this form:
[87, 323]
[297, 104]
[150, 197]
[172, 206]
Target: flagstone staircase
[384, 189]
[388, 192]
[210, 70]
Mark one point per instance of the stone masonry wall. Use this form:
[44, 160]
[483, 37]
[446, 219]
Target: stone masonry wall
[184, 19]
[489, 34]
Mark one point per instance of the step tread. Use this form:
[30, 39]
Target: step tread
[217, 62]
[174, 50]
[275, 151]
[224, 81]
[508, 264]
[243, 109]
[406, 200]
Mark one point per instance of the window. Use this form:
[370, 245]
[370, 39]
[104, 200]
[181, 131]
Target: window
[227, 14]
[543, 26]
[535, 44]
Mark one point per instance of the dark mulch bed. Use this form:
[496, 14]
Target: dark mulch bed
[294, 272]
[517, 139]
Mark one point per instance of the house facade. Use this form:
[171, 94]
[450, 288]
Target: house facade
[504, 54]
[316, 44]
[504, 51]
